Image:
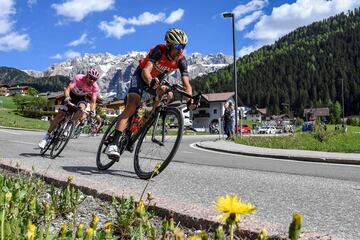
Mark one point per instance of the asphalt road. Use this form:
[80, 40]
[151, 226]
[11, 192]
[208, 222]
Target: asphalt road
[328, 195]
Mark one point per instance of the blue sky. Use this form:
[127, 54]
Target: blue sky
[37, 33]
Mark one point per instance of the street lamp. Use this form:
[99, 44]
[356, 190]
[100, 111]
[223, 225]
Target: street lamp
[231, 15]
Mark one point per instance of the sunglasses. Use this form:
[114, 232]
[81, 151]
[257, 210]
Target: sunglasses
[92, 78]
[179, 46]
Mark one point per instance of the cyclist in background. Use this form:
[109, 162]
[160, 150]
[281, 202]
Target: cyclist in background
[80, 87]
[162, 59]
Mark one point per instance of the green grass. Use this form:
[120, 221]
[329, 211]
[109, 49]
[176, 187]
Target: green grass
[9, 118]
[336, 142]
[7, 102]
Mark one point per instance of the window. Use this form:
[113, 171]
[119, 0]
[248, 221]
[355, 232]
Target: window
[215, 111]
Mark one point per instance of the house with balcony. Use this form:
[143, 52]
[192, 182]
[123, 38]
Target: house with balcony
[256, 114]
[4, 89]
[311, 114]
[54, 100]
[210, 111]
[113, 109]
[18, 90]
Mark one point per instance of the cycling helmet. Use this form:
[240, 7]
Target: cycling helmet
[176, 36]
[92, 72]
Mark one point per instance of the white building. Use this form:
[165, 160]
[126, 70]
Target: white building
[212, 111]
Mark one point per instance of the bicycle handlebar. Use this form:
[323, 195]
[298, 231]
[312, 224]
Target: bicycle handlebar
[180, 89]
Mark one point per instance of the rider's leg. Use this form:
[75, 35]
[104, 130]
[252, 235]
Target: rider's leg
[159, 92]
[80, 114]
[132, 103]
[51, 128]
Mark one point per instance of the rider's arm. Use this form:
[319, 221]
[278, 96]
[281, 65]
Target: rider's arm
[185, 76]
[146, 72]
[70, 87]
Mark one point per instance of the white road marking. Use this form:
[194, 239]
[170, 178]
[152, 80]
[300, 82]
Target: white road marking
[2, 130]
[23, 142]
[193, 145]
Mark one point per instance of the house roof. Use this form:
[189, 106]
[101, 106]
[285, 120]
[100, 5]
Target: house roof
[317, 112]
[50, 95]
[281, 116]
[218, 97]
[262, 110]
[4, 85]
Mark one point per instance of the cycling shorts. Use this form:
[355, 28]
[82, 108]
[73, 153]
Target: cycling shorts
[138, 86]
[75, 99]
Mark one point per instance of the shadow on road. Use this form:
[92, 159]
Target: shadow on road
[86, 170]
[33, 155]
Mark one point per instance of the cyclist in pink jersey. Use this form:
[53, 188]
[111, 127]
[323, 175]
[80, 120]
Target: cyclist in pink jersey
[79, 89]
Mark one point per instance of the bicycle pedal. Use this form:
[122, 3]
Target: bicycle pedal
[114, 158]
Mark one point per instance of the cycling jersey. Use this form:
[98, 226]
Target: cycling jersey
[158, 56]
[81, 88]
[162, 65]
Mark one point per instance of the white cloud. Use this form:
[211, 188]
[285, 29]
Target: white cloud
[253, 5]
[82, 40]
[146, 18]
[31, 3]
[76, 10]
[9, 39]
[242, 23]
[117, 28]
[175, 16]
[68, 54]
[6, 10]
[14, 41]
[288, 17]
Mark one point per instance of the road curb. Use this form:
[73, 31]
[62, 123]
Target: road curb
[185, 220]
[287, 157]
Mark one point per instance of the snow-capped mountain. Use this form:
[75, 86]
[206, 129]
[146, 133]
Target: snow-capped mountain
[116, 70]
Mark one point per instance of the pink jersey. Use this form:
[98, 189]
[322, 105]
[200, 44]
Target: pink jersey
[81, 88]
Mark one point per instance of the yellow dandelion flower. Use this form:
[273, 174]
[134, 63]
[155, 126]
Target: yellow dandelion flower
[297, 218]
[232, 208]
[89, 232]
[194, 237]
[8, 196]
[31, 231]
[62, 231]
[179, 234]
[263, 235]
[108, 225]
[140, 210]
[70, 178]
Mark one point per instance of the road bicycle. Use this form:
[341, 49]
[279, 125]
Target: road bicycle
[61, 135]
[156, 142]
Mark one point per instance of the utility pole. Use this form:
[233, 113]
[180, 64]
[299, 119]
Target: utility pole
[343, 104]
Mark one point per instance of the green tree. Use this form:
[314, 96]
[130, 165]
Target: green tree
[335, 113]
[32, 91]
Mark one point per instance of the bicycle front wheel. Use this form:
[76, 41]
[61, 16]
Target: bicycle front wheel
[158, 143]
[62, 138]
[103, 162]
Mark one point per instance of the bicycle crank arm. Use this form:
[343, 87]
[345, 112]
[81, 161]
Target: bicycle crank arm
[154, 140]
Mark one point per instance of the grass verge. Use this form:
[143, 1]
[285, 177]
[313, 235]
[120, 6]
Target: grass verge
[330, 141]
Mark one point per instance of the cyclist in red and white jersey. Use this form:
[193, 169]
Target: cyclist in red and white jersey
[162, 59]
[79, 89]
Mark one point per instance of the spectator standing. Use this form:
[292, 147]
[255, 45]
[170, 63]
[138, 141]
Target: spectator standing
[227, 120]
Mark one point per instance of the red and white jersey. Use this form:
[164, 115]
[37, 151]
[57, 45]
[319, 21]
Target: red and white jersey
[81, 88]
[158, 56]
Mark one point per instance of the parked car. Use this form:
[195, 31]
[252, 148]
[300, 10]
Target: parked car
[267, 130]
[244, 129]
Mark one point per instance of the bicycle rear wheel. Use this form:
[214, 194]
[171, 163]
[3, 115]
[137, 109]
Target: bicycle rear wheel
[62, 138]
[158, 143]
[103, 162]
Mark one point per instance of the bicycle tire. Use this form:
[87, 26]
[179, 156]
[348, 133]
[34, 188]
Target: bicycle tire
[49, 143]
[57, 149]
[106, 139]
[146, 148]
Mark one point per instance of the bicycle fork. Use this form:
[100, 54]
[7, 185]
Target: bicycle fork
[163, 129]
